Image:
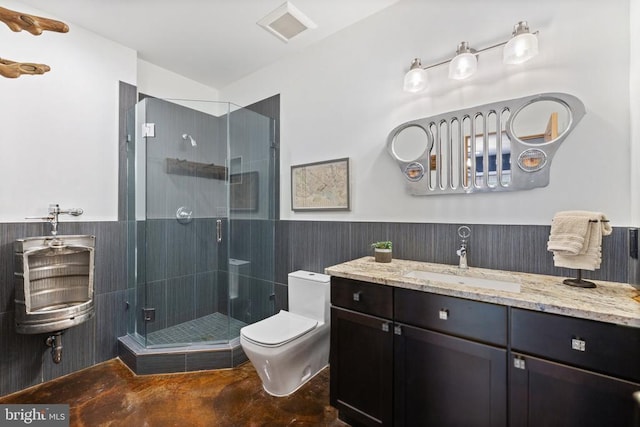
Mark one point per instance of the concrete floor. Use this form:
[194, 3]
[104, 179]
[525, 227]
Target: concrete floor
[109, 394]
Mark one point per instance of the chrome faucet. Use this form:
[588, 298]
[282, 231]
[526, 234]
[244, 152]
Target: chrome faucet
[464, 232]
[462, 253]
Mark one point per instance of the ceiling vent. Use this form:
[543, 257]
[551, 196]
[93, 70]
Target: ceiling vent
[286, 22]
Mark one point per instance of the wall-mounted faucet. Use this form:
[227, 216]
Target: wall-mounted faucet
[464, 232]
[54, 211]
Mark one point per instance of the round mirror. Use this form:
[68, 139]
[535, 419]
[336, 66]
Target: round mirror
[541, 121]
[410, 143]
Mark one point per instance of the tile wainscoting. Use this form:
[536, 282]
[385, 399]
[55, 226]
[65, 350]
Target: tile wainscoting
[300, 245]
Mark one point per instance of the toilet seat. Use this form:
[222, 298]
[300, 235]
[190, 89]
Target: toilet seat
[278, 330]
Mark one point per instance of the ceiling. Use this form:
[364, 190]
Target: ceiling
[214, 42]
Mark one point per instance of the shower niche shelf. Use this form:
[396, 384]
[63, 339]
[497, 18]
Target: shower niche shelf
[200, 170]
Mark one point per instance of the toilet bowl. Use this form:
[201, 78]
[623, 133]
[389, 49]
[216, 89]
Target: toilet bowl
[291, 347]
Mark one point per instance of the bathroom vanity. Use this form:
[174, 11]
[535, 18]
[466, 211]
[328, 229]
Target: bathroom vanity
[409, 346]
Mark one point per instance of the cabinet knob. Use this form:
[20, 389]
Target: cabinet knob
[356, 295]
[518, 363]
[385, 327]
[443, 314]
[578, 344]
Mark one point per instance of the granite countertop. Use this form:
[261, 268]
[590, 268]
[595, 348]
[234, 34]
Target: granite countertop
[610, 302]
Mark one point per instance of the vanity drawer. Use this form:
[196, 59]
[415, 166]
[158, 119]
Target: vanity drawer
[364, 297]
[465, 318]
[603, 347]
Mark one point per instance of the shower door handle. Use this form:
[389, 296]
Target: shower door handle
[219, 230]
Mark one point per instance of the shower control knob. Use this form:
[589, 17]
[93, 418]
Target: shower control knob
[184, 215]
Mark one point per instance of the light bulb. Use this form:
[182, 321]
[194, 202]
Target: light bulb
[522, 47]
[464, 64]
[416, 78]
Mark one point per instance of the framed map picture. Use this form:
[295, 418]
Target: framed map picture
[320, 186]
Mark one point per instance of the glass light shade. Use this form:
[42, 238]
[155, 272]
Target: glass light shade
[463, 66]
[415, 80]
[520, 48]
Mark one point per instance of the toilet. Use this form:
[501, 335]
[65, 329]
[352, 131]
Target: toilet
[289, 348]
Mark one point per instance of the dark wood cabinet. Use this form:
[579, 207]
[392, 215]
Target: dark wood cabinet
[441, 380]
[547, 394]
[569, 372]
[361, 358]
[450, 361]
[402, 357]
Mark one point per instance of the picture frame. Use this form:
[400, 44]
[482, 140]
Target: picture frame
[321, 186]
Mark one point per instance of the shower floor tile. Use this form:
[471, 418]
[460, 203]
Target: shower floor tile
[214, 327]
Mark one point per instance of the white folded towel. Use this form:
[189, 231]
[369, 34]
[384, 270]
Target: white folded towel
[570, 249]
[569, 234]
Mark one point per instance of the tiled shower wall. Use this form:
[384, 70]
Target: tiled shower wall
[305, 245]
[185, 274]
[178, 272]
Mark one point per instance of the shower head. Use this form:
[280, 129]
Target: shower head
[189, 138]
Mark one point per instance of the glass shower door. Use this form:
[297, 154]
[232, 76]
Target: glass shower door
[204, 239]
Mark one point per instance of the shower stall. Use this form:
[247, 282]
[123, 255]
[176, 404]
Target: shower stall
[200, 217]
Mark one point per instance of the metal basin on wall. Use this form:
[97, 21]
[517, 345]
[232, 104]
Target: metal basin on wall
[53, 282]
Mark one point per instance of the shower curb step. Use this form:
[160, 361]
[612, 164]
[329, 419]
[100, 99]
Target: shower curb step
[147, 361]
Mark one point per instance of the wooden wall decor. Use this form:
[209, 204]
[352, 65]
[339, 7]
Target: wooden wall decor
[12, 69]
[35, 25]
[200, 170]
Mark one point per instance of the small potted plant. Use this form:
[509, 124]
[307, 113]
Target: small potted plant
[382, 251]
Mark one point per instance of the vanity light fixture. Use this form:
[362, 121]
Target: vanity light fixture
[522, 46]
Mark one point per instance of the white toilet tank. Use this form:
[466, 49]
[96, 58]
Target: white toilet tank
[309, 295]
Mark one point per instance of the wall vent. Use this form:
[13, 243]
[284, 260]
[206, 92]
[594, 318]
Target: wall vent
[286, 22]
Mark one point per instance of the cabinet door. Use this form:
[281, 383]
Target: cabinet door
[544, 393]
[442, 380]
[361, 367]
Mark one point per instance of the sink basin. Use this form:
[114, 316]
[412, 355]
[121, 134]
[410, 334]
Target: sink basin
[478, 282]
